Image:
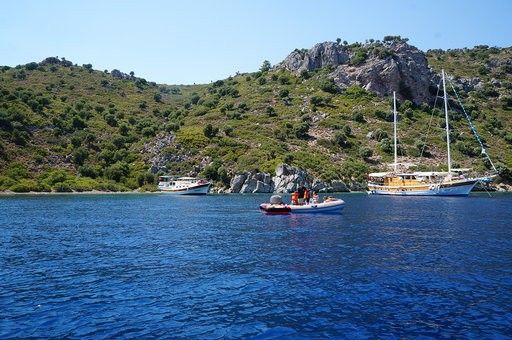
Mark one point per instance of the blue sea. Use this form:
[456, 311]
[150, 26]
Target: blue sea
[152, 265]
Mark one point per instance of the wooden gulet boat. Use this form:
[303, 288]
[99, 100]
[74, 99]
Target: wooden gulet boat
[453, 182]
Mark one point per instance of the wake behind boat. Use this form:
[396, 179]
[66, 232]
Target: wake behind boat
[278, 207]
[183, 185]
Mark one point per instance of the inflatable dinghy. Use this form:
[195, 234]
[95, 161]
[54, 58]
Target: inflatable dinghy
[277, 207]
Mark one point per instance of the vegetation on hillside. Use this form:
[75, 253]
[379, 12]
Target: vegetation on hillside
[65, 127]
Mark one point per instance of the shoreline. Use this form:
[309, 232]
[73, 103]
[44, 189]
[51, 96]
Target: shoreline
[133, 192]
[93, 192]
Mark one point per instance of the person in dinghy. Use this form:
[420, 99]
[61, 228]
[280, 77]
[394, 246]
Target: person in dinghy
[278, 207]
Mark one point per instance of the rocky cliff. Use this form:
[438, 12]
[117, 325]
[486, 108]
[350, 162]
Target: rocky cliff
[381, 67]
[287, 179]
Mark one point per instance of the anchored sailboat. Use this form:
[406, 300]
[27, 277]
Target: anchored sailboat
[451, 183]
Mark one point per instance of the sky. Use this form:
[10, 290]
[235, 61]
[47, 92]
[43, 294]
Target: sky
[199, 41]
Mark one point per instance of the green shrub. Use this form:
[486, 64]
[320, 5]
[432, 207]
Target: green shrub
[329, 86]
[149, 131]
[210, 131]
[508, 138]
[25, 185]
[62, 187]
[324, 142]
[191, 137]
[20, 137]
[358, 117]
[356, 92]
[284, 80]
[380, 134]
[358, 58]
[88, 171]
[386, 146]
[341, 139]
[300, 130]
[80, 155]
[265, 67]
[111, 119]
[228, 131]
[17, 171]
[316, 100]
[194, 99]
[81, 184]
[6, 182]
[284, 93]
[117, 171]
[365, 152]
[54, 176]
[354, 170]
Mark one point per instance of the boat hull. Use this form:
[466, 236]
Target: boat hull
[459, 188]
[275, 209]
[192, 190]
[315, 208]
[325, 207]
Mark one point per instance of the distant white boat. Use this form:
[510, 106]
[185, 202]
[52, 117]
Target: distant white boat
[183, 185]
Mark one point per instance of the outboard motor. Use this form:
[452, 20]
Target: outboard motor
[276, 199]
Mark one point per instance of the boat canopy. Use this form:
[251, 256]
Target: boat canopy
[419, 174]
[167, 178]
[430, 173]
[379, 174]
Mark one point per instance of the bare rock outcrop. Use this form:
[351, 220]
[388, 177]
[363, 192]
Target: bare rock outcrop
[287, 179]
[321, 55]
[158, 159]
[251, 182]
[380, 67]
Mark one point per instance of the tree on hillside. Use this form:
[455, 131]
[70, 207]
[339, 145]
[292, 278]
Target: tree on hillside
[209, 131]
[265, 66]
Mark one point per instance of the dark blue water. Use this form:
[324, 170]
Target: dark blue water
[123, 266]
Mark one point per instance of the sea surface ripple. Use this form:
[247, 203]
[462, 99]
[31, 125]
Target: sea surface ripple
[151, 265]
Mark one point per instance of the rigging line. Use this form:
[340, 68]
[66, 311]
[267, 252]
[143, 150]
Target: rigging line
[430, 122]
[488, 193]
[473, 129]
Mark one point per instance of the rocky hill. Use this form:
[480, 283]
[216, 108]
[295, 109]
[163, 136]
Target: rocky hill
[324, 111]
[378, 66]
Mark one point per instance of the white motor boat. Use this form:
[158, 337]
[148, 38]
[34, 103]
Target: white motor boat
[183, 185]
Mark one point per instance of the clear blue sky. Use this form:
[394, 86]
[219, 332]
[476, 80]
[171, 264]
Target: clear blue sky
[185, 42]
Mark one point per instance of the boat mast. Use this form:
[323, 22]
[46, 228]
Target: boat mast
[447, 126]
[394, 124]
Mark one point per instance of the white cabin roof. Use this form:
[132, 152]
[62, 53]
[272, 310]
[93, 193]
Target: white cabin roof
[419, 173]
[430, 173]
[177, 178]
[379, 174]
